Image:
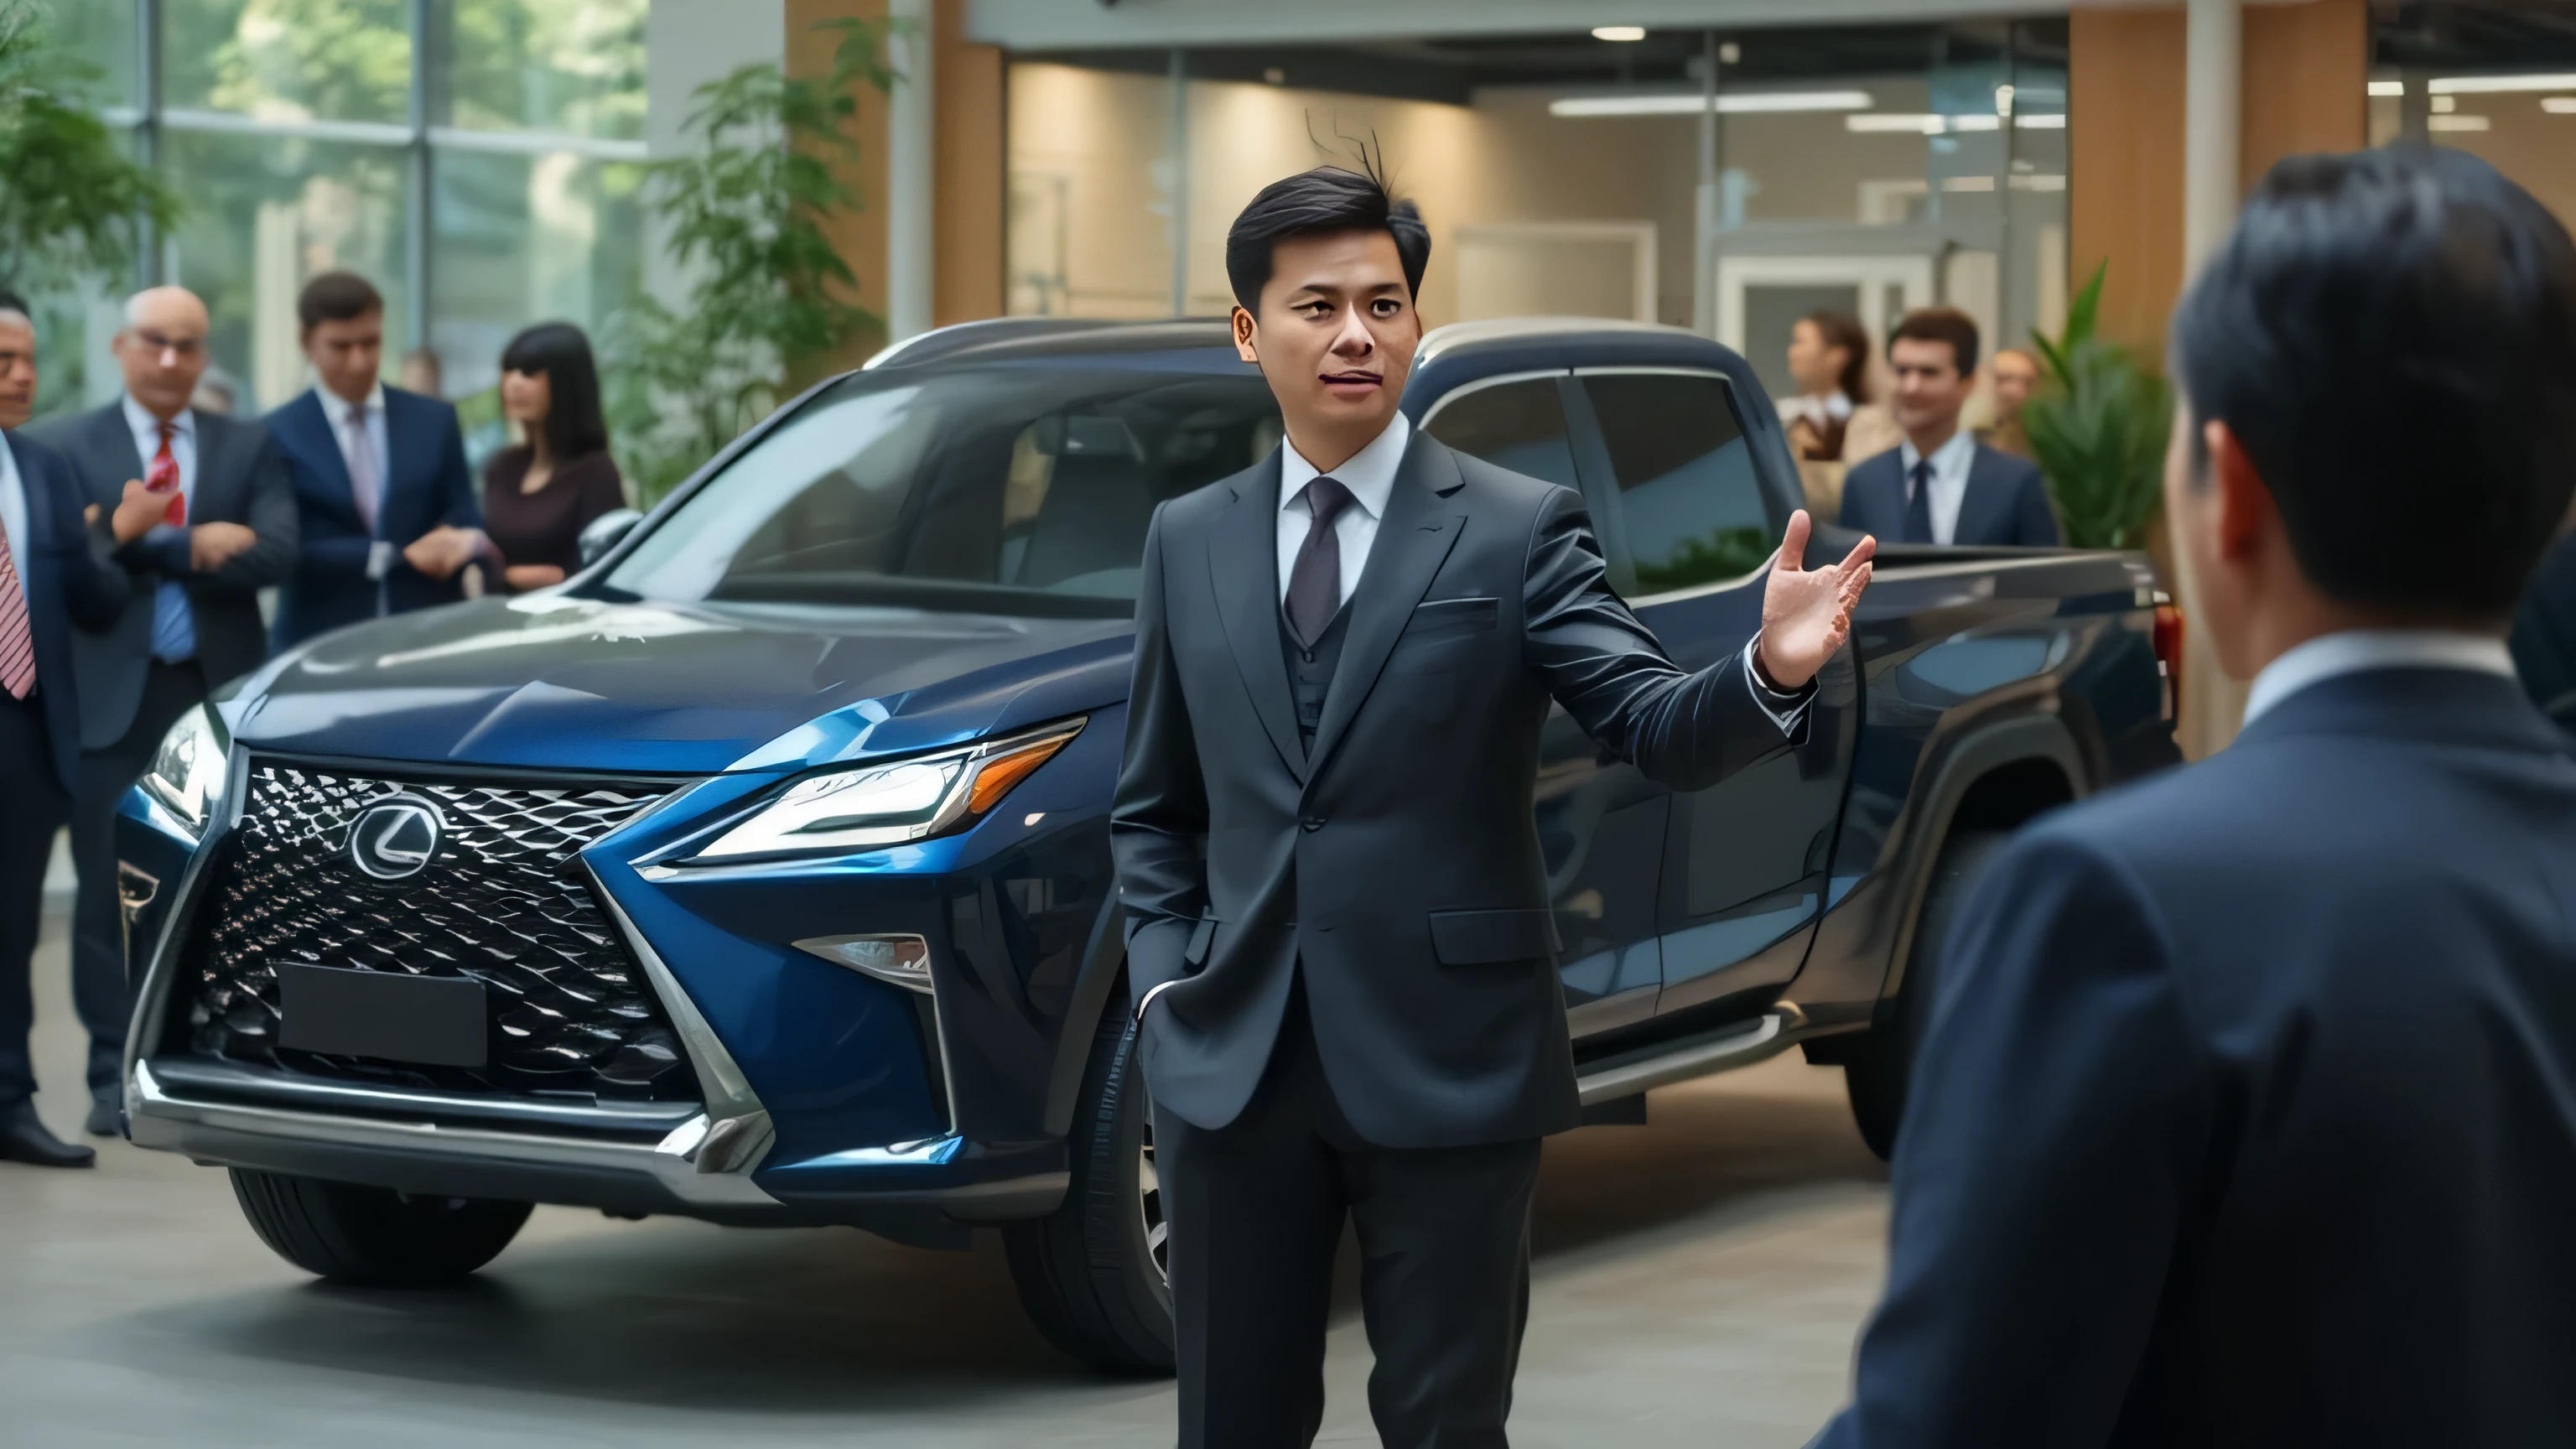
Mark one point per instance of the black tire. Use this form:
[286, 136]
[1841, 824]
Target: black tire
[374, 1236]
[1875, 1077]
[1092, 1274]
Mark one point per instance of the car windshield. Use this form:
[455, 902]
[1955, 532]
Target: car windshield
[1001, 489]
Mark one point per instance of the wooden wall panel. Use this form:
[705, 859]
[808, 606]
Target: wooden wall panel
[861, 238]
[968, 278]
[2124, 104]
[2307, 79]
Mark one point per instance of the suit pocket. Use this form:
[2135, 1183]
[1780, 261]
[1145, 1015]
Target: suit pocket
[1451, 618]
[1473, 938]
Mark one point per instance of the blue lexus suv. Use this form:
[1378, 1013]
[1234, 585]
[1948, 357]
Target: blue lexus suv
[760, 872]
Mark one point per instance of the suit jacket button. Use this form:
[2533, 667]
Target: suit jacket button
[1312, 823]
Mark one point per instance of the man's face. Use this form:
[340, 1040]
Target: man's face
[348, 356]
[1813, 366]
[1335, 334]
[2015, 376]
[17, 370]
[1929, 389]
[162, 349]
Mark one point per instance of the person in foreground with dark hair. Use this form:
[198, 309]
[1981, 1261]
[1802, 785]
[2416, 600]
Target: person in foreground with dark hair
[1941, 485]
[380, 477]
[1339, 942]
[2247, 1114]
[540, 495]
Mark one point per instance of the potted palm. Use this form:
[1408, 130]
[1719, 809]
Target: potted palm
[2097, 430]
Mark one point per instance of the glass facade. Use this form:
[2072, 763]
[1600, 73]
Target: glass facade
[478, 160]
[1729, 183]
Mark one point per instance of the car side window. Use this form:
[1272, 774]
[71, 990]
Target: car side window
[1690, 508]
[1518, 425]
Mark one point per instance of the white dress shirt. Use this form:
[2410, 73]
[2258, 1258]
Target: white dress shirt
[1950, 463]
[2355, 651]
[1370, 477]
[13, 518]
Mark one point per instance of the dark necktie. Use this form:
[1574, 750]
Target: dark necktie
[1918, 506]
[1315, 583]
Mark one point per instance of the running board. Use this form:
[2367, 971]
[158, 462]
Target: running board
[1739, 1047]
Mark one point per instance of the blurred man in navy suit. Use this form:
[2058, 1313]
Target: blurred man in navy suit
[2246, 1114]
[387, 505]
[1941, 485]
[56, 572]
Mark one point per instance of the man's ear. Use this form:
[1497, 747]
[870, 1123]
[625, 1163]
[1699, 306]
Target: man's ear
[2246, 511]
[1244, 332]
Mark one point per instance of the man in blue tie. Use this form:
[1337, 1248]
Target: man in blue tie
[227, 531]
[1942, 486]
[56, 572]
[2246, 1111]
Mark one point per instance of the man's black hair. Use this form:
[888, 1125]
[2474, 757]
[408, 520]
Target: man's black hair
[2391, 336]
[336, 297]
[11, 302]
[574, 424]
[1316, 203]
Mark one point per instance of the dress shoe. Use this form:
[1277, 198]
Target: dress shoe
[24, 1139]
[106, 1115]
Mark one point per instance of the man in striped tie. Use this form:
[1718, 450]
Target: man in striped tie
[55, 572]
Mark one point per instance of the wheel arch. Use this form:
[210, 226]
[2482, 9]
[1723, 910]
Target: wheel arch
[1095, 987]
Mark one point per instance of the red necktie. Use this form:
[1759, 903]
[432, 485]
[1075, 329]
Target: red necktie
[17, 638]
[163, 477]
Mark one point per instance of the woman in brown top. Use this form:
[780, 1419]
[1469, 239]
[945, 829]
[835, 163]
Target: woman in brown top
[538, 497]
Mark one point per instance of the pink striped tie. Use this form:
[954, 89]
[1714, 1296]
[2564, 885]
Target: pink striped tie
[17, 637]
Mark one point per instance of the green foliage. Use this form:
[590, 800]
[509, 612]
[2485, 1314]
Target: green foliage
[749, 214]
[1727, 553]
[2097, 429]
[72, 201]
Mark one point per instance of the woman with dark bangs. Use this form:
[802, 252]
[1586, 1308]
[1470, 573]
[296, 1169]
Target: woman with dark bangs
[538, 496]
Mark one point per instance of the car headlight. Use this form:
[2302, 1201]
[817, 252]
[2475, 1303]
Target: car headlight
[893, 803]
[187, 773]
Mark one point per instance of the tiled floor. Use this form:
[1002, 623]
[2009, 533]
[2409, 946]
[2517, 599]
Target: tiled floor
[1699, 1282]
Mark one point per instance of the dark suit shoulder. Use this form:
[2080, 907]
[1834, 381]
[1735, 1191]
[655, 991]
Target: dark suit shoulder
[35, 454]
[252, 431]
[2018, 469]
[419, 402]
[1199, 507]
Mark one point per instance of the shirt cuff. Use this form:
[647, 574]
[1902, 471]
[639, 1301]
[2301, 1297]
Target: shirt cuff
[1786, 710]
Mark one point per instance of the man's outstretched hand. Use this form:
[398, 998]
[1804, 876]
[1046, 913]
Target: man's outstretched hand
[1806, 613]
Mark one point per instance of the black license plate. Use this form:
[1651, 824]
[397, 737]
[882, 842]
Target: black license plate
[432, 1020]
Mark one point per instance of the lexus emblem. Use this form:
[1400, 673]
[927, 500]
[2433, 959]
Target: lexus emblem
[396, 837]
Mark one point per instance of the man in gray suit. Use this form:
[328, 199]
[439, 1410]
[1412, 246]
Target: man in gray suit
[192, 623]
[1340, 945]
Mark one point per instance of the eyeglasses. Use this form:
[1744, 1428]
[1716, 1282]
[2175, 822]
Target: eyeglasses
[185, 347]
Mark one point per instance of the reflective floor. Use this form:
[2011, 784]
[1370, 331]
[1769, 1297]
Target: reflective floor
[1699, 1281]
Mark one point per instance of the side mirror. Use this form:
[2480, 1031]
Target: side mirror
[605, 532]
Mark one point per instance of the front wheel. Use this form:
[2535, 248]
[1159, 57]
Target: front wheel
[1880, 1067]
[1095, 1274]
[374, 1236]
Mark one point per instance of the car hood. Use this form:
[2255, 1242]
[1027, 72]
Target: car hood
[556, 682]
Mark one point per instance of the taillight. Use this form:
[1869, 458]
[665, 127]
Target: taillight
[2169, 655]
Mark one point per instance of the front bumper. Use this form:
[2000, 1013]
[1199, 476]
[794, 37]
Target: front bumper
[722, 1158]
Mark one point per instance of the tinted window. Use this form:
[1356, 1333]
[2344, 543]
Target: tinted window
[998, 490]
[1515, 425]
[1690, 509]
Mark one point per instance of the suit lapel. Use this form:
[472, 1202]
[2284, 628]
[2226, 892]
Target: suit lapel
[321, 448]
[1243, 568]
[1413, 540]
[113, 442]
[214, 457]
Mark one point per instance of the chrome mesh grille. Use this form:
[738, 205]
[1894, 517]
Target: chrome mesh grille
[503, 900]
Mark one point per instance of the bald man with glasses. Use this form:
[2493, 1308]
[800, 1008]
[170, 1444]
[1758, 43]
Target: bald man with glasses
[192, 623]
